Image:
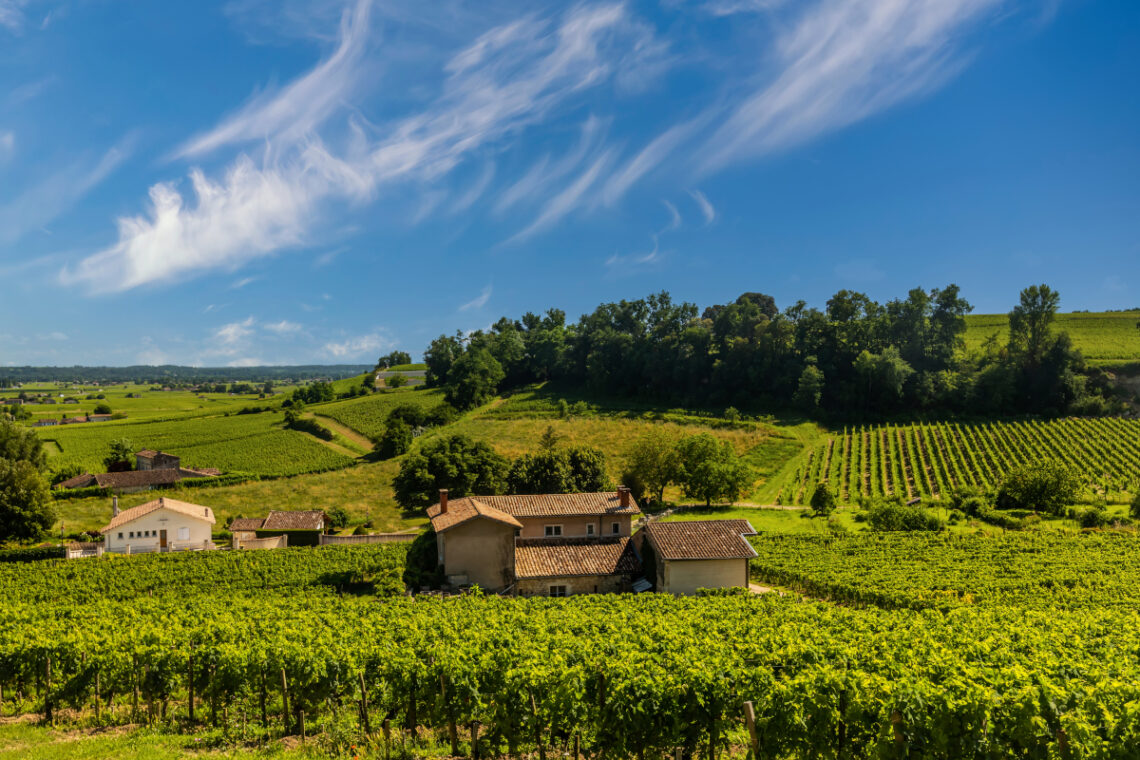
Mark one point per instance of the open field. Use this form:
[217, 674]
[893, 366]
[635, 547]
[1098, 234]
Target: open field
[151, 404]
[931, 459]
[1103, 337]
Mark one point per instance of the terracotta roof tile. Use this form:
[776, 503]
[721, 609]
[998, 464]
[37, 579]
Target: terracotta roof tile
[313, 520]
[461, 510]
[147, 454]
[567, 557]
[246, 523]
[137, 478]
[182, 507]
[701, 539]
[79, 481]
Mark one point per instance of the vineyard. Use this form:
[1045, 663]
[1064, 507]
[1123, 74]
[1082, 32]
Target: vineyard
[906, 570]
[253, 443]
[366, 415]
[1102, 337]
[928, 460]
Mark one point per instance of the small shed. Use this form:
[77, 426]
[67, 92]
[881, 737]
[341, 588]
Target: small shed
[684, 556]
[302, 528]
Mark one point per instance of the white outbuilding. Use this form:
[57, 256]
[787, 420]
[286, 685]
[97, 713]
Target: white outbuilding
[162, 525]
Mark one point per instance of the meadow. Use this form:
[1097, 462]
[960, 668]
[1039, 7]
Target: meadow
[1104, 338]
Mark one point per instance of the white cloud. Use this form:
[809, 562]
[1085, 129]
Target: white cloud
[229, 337]
[707, 210]
[652, 155]
[239, 284]
[479, 301]
[674, 216]
[357, 346]
[284, 327]
[634, 261]
[56, 193]
[841, 61]
[567, 200]
[476, 191]
[508, 80]
[12, 14]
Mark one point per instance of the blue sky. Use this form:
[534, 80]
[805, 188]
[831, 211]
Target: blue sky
[287, 181]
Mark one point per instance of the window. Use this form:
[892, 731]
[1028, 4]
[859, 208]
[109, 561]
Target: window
[616, 528]
[120, 535]
[589, 529]
[558, 591]
[183, 534]
[132, 534]
[553, 530]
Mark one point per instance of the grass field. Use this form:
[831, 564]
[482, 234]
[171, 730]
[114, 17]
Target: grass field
[1103, 337]
[931, 459]
[366, 414]
[151, 404]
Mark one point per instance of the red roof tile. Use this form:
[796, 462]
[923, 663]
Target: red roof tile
[461, 510]
[313, 520]
[568, 557]
[701, 539]
[182, 507]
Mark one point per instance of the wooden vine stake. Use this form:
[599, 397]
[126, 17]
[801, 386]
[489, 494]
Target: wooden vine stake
[452, 731]
[387, 739]
[264, 715]
[47, 691]
[900, 740]
[98, 699]
[284, 702]
[475, 739]
[750, 719]
[364, 722]
[537, 729]
[190, 686]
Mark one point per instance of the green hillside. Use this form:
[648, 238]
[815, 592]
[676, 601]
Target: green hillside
[1105, 338]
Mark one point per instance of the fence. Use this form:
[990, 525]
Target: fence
[173, 546]
[80, 550]
[273, 542]
[371, 538]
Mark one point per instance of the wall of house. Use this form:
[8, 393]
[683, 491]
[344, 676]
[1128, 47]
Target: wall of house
[686, 576]
[575, 526]
[482, 550]
[586, 584]
[196, 531]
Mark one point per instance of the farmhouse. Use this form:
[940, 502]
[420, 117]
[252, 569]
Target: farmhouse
[688, 555]
[45, 422]
[149, 459]
[299, 528]
[553, 544]
[244, 528]
[162, 525]
[155, 470]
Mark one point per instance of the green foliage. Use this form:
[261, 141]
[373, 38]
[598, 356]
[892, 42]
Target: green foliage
[1046, 486]
[412, 415]
[315, 393]
[809, 389]
[822, 500]
[652, 464]
[892, 515]
[119, 453]
[457, 463]
[101, 409]
[572, 470]
[19, 443]
[337, 517]
[422, 567]
[473, 379]
[396, 440]
[710, 469]
[65, 472]
[31, 554]
[396, 381]
[394, 359]
[26, 510]
[549, 440]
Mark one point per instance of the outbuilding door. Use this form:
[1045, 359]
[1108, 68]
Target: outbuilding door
[162, 539]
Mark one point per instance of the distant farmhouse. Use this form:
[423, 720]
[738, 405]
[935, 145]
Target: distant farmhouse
[565, 544]
[153, 469]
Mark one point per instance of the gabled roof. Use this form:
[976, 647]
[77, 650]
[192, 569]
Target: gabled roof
[460, 511]
[569, 557]
[701, 539]
[313, 520]
[148, 453]
[196, 511]
[79, 481]
[246, 523]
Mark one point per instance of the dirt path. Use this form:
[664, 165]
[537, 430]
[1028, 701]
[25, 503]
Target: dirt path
[333, 445]
[756, 588]
[344, 430]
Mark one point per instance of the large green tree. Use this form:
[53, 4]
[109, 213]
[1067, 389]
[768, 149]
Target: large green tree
[473, 379]
[652, 462]
[710, 469]
[26, 510]
[457, 463]
[20, 443]
[1047, 486]
[573, 470]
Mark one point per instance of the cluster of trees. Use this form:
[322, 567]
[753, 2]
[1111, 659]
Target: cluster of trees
[404, 422]
[394, 359]
[856, 355]
[313, 393]
[26, 510]
[705, 467]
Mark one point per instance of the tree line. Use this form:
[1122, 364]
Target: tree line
[854, 357]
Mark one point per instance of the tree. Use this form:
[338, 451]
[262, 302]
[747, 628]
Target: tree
[473, 379]
[1047, 486]
[394, 359]
[118, 456]
[1030, 321]
[338, 517]
[709, 469]
[413, 415]
[25, 501]
[822, 500]
[19, 443]
[1135, 509]
[396, 381]
[439, 357]
[549, 440]
[102, 409]
[809, 390]
[885, 374]
[574, 470]
[457, 463]
[653, 463]
[396, 439]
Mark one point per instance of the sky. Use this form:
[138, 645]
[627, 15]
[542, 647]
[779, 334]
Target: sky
[323, 181]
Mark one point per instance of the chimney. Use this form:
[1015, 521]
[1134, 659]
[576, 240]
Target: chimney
[443, 501]
[114, 506]
[623, 496]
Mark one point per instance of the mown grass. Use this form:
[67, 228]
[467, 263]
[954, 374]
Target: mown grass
[1103, 337]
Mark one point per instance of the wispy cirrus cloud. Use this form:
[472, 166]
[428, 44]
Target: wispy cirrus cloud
[479, 301]
[708, 211]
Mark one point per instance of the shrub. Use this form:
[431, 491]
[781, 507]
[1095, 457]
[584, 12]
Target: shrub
[1093, 517]
[360, 530]
[102, 409]
[457, 463]
[822, 500]
[338, 517]
[395, 440]
[413, 415]
[1042, 486]
[892, 515]
[1135, 508]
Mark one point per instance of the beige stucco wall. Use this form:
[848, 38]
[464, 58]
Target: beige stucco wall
[575, 527]
[587, 584]
[482, 550]
[197, 531]
[686, 576]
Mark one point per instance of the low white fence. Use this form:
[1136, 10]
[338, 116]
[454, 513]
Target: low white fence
[173, 546]
[370, 538]
[273, 542]
[81, 550]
